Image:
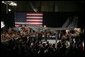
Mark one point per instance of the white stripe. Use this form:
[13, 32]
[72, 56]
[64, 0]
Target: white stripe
[20, 22]
[34, 14]
[33, 20]
[34, 17]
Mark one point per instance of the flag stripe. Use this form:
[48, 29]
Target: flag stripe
[34, 17]
[33, 20]
[34, 14]
[35, 23]
[26, 23]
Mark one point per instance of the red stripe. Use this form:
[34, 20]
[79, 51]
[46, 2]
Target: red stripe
[35, 23]
[34, 16]
[29, 24]
[33, 19]
[17, 25]
[34, 13]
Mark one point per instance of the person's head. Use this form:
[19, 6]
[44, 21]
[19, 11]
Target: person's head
[47, 42]
[53, 45]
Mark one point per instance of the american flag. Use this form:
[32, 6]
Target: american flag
[28, 19]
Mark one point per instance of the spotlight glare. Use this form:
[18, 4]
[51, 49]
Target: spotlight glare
[13, 4]
[3, 2]
[2, 24]
[9, 10]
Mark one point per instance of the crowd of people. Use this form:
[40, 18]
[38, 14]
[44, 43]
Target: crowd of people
[26, 42]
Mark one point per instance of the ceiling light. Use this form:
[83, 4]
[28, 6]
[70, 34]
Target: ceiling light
[13, 3]
[2, 24]
[3, 2]
[9, 10]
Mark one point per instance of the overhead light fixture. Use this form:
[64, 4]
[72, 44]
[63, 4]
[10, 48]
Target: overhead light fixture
[67, 31]
[3, 2]
[2, 24]
[35, 10]
[44, 26]
[9, 10]
[11, 3]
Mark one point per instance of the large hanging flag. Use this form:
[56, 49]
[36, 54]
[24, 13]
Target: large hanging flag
[28, 19]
